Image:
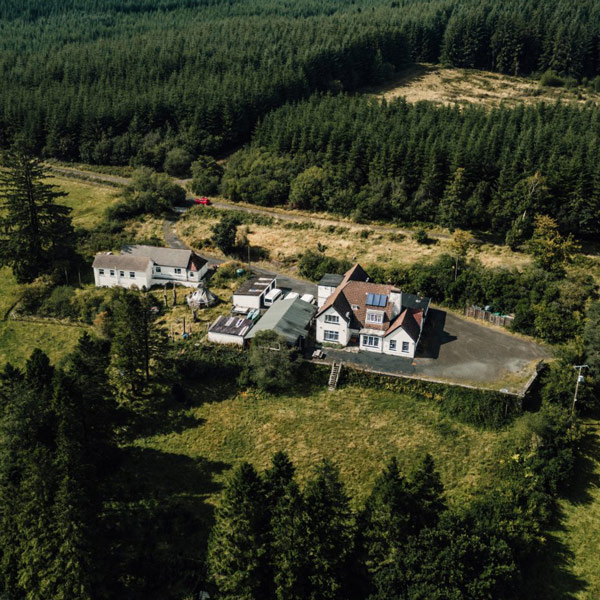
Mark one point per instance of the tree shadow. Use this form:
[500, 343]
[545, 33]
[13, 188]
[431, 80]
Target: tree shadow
[159, 516]
[434, 336]
[407, 76]
[550, 576]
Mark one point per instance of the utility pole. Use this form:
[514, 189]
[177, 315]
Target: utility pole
[579, 380]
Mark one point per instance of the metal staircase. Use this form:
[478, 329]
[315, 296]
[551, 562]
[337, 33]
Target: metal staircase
[334, 376]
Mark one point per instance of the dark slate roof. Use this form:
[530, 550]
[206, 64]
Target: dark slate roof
[331, 279]
[289, 318]
[416, 302]
[120, 261]
[231, 326]
[254, 286]
[407, 321]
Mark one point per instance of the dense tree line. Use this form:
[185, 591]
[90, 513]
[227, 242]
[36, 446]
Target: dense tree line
[275, 540]
[459, 167]
[115, 82]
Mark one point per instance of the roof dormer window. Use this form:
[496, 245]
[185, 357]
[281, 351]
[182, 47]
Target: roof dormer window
[374, 316]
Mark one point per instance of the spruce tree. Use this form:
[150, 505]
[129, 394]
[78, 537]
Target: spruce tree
[36, 235]
[329, 532]
[238, 552]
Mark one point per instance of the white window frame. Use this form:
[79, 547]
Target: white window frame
[374, 316]
[332, 319]
[405, 347]
[393, 345]
[112, 272]
[191, 273]
[121, 273]
[331, 336]
[132, 274]
[370, 341]
[177, 271]
[100, 271]
[157, 269]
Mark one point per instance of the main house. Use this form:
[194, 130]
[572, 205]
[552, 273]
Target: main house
[380, 317]
[145, 266]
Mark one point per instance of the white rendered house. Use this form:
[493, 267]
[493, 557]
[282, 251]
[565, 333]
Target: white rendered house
[145, 266]
[379, 317]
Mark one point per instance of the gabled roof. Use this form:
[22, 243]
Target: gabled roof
[289, 318]
[337, 299]
[406, 320]
[167, 257]
[121, 261]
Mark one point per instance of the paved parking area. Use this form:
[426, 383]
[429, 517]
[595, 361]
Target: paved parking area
[458, 350]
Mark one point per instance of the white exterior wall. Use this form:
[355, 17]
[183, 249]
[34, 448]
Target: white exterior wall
[141, 279]
[324, 291]
[247, 301]
[400, 336]
[223, 338]
[377, 349]
[168, 275]
[341, 327]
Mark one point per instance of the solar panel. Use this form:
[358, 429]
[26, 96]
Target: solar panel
[376, 299]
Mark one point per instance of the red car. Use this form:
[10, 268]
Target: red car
[204, 200]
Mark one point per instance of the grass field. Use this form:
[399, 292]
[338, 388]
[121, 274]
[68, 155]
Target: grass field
[465, 86]
[358, 429]
[88, 201]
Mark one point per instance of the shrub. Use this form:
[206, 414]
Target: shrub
[313, 265]
[551, 79]
[177, 162]
[60, 303]
[34, 296]
[420, 236]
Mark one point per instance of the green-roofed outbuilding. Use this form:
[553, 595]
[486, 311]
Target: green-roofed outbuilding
[289, 318]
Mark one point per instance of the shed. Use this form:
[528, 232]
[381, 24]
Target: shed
[251, 293]
[290, 318]
[229, 330]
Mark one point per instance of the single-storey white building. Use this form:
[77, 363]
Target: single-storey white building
[251, 294]
[145, 266]
[229, 330]
[380, 317]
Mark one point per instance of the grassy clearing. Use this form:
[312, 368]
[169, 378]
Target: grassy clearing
[359, 429]
[87, 200]
[465, 86]
[10, 291]
[285, 240]
[18, 339]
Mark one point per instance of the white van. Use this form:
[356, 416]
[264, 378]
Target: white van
[272, 296]
[308, 298]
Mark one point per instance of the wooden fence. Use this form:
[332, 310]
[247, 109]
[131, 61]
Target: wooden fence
[485, 315]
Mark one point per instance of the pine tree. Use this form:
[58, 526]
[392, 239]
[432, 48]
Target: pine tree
[36, 235]
[238, 552]
[425, 485]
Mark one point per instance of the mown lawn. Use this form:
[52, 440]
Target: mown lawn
[358, 429]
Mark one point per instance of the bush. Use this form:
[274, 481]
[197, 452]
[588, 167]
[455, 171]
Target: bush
[60, 303]
[313, 265]
[177, 162]
[227, 272]
[34, 296]
[206, 176]
[551, 79]
[420, 236]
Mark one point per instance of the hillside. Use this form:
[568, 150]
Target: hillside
[449, 86]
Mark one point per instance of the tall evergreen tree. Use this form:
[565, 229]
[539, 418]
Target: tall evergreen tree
[238, 552]
[36, 235]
